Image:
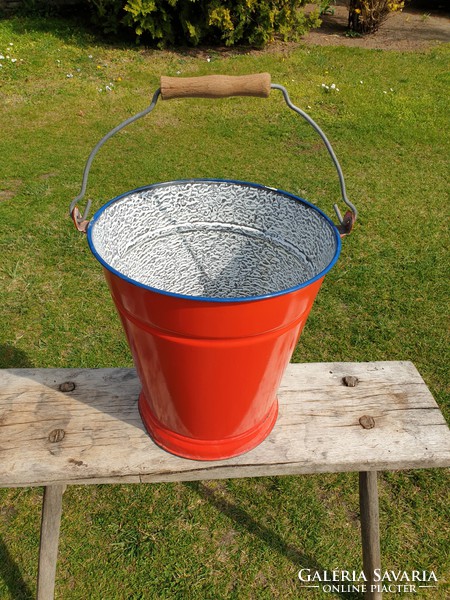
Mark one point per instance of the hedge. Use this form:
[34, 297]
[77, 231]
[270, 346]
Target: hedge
[192, 22]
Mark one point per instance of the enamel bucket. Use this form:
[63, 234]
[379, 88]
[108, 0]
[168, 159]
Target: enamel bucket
[213, 281]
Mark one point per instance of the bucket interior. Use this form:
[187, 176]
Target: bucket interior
[214, 239]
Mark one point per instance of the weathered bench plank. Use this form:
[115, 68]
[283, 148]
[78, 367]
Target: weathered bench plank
[93, 434]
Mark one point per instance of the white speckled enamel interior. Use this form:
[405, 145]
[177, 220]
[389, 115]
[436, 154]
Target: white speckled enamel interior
[214, 239]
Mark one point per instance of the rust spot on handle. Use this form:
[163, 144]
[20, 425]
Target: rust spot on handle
[78, 221]
[347, 223]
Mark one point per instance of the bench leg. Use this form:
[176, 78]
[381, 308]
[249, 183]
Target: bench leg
[48, 549]
[370, 530]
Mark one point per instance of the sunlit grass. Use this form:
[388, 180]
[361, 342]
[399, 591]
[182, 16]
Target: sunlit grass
[386, 299]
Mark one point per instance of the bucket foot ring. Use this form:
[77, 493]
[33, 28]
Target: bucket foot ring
[199, 449]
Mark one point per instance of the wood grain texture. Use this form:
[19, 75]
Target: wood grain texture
[48, 549]
[93, 434]
[215, 86]
[370, 531]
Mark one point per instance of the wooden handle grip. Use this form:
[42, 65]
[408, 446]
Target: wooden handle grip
[216, 86]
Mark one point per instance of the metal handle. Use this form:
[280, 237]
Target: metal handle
[80, 219]
[229, 86]
[345, 223]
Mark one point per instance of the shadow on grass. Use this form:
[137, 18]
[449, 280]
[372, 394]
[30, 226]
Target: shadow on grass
[244, 520]
[74, 29]
[80, 31]
[10, 573]
[13, 358]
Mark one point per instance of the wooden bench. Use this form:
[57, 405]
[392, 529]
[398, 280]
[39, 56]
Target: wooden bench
[80, 426]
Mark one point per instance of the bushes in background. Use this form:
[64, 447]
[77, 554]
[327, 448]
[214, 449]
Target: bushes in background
[366, 16]
[168, 22]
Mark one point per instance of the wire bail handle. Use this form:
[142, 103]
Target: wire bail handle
[216, 86]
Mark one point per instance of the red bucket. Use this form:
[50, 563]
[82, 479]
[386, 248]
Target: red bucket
[213, 281]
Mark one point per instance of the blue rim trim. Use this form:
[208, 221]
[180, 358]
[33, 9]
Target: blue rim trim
[98, 214]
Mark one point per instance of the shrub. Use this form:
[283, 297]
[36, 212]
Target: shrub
[192, 22]
[366, 16]
[107, 14]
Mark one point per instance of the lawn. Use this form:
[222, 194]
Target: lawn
[386, 299]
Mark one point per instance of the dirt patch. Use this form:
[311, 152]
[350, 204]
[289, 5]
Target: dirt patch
[6, 195]
[9, 189]
[45, 176]
[409, 30]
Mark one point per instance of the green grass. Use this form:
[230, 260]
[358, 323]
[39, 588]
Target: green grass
[386, 299]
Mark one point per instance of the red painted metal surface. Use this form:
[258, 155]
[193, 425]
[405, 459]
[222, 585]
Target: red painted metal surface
[209, 370]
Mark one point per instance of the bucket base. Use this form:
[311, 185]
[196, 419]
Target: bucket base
[188, 447]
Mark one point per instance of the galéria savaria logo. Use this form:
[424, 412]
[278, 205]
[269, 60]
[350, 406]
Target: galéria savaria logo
[383, 581]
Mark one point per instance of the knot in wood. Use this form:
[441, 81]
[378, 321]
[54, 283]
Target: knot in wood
[350, 381]
[67, 386]
[56, 435]
[367, 422]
